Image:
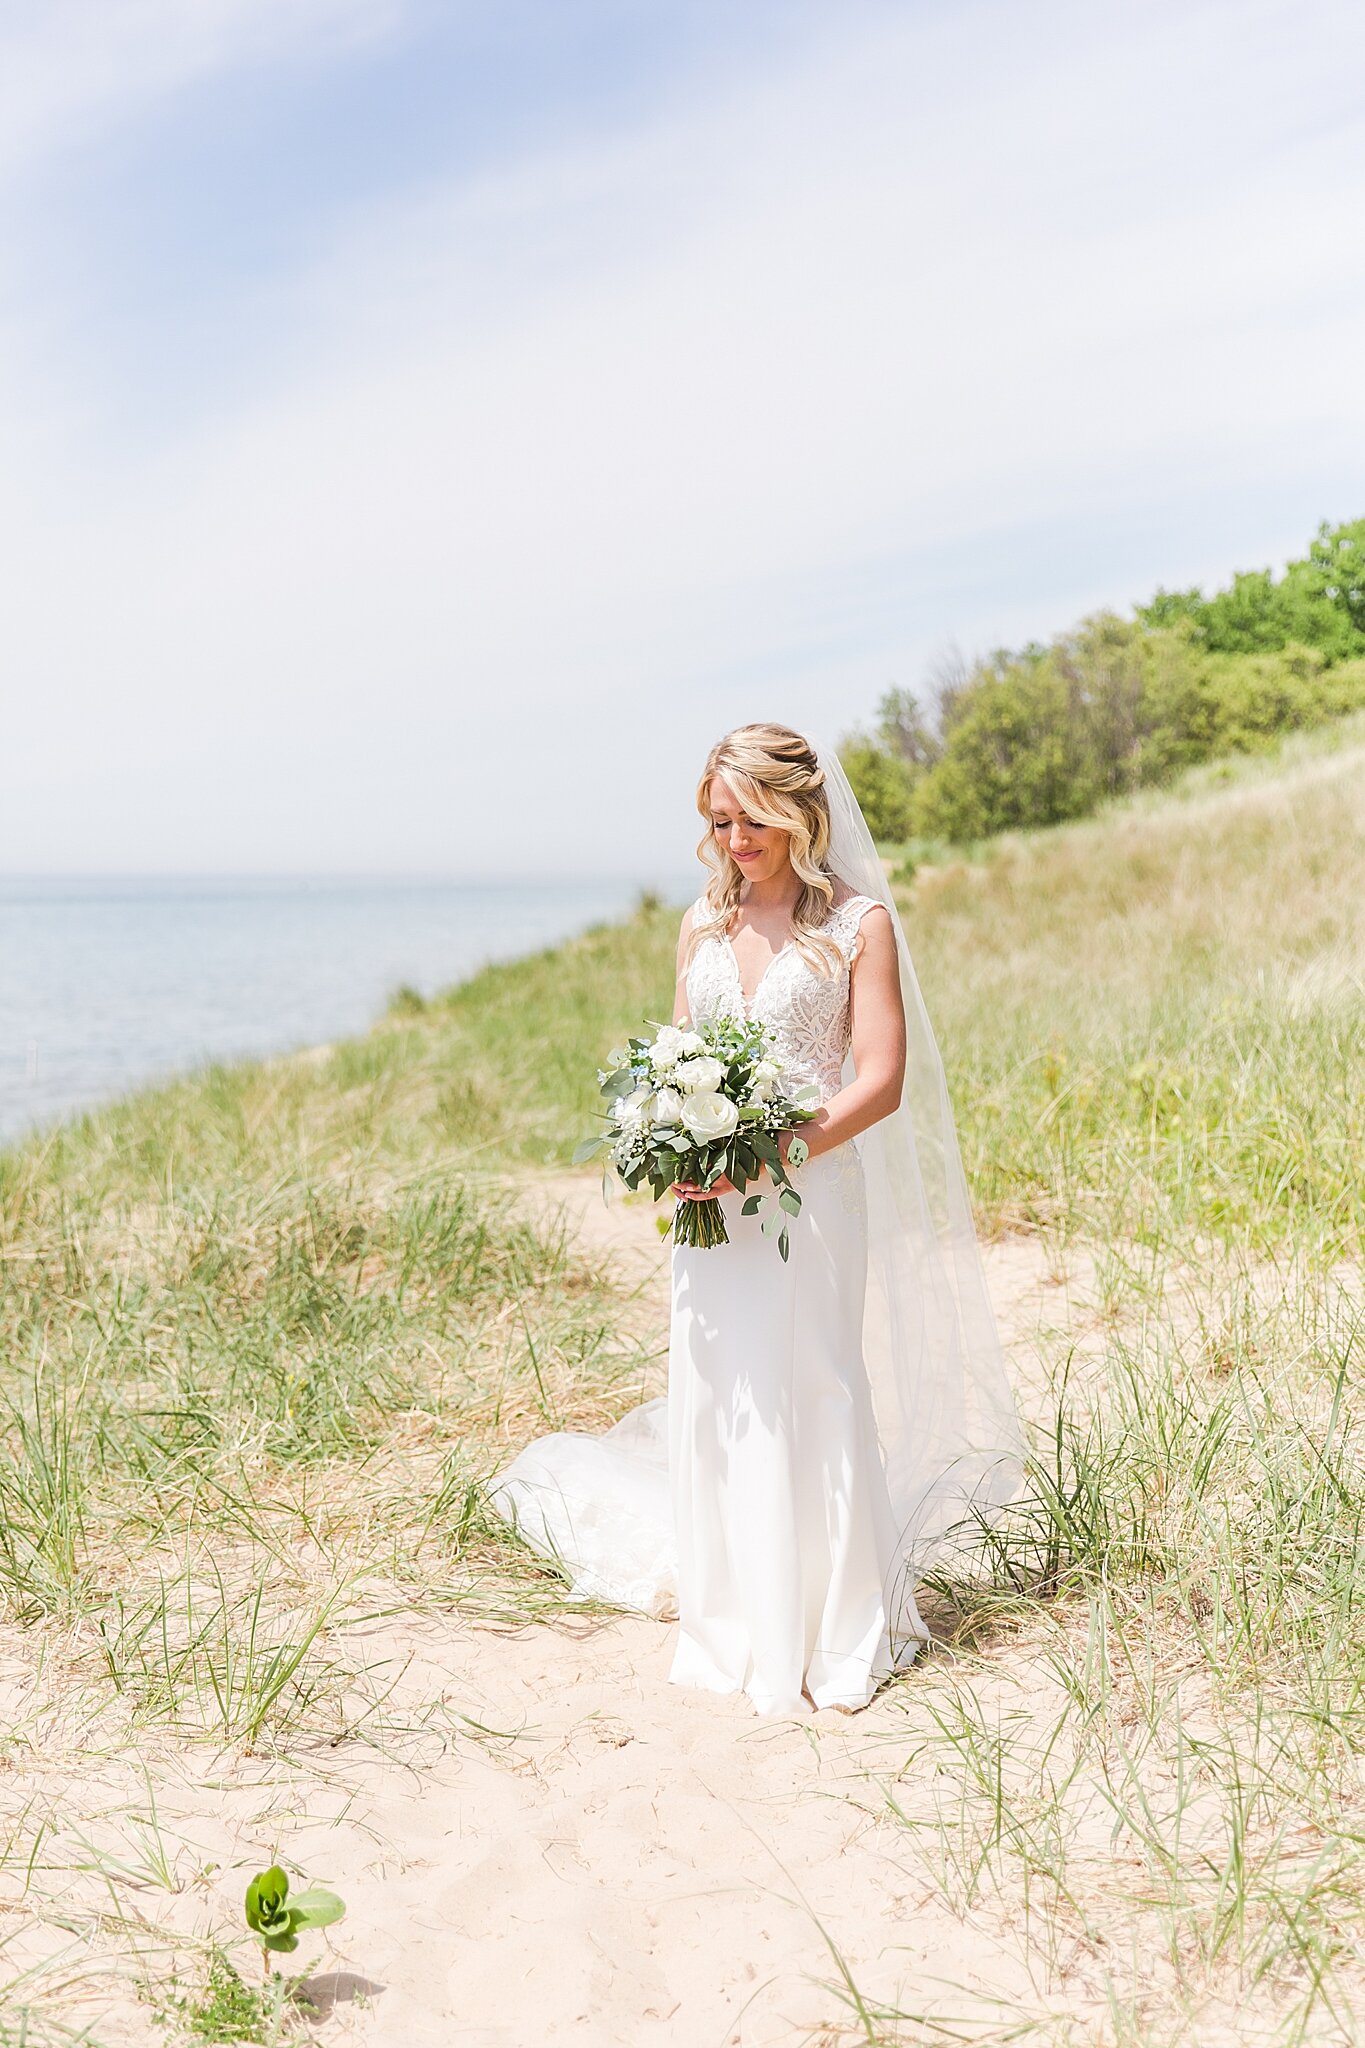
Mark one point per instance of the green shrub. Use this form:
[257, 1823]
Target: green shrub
[1319, 602]
[1115, 705]
[882, 784]
[1014, 755]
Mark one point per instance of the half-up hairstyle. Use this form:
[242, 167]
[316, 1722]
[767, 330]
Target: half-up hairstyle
[778, 781]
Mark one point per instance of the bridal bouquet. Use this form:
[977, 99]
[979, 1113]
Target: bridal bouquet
[693, 1105]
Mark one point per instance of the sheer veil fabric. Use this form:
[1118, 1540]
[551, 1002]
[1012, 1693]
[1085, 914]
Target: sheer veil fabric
[946, 1419]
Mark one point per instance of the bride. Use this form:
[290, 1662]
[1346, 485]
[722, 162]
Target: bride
[837, 1422]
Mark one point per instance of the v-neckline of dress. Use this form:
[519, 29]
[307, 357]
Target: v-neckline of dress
[747, 1002]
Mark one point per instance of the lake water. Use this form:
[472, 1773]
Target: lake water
[109, 983]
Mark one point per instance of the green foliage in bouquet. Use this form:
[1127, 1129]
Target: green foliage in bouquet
[700, 1106]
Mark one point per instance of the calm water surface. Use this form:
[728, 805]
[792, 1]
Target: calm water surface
[106, 984]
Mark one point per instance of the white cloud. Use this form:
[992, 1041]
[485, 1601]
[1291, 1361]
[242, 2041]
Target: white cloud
[631, 440]
[69, 65]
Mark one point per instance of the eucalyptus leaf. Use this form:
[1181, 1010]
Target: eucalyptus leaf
[586, 1150]
[798, 1152]
[790, 1201]
[752, 1206]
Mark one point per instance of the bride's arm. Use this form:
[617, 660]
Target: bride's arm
[877, 1020]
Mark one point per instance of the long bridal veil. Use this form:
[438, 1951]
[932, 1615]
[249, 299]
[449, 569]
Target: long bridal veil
[946, 1418]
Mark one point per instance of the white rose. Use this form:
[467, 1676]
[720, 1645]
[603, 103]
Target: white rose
[700, 1076]
[667, 1049]
[709, 1115]
[668, 1105]
[690, 1042]
[768, 1070]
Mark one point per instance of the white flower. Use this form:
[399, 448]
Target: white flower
[690, 1042]
[709, 1115]
[668, 1105]
[700, 1076]
[763, 1086]
[667, 1048]
[632, 1110]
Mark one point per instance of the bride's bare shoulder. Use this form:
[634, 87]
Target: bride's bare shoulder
[692, 917]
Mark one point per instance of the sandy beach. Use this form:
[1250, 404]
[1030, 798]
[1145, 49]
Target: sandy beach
[550, 1844]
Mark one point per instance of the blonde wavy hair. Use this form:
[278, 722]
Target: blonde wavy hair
[778, 780]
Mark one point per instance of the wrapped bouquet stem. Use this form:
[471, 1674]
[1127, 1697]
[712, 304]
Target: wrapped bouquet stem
[702, 1106]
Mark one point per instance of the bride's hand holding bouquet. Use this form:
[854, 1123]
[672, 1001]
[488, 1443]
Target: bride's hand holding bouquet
[692, 1191]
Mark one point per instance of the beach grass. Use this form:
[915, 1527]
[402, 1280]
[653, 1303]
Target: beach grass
[265, 1331]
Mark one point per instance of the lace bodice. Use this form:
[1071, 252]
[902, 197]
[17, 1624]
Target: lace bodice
[806, 1011]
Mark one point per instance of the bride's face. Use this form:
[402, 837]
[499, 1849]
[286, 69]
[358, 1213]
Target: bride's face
[759, 851]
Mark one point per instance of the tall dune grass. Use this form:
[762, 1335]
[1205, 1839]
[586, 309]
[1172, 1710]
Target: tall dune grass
[264, 1329]
[1154, 1021]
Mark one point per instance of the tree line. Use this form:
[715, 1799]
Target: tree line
[1048, 732]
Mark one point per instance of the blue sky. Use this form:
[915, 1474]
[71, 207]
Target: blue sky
[159, 222]
[424, 427]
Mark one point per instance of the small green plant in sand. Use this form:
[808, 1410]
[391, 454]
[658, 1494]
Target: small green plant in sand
[277, 1919]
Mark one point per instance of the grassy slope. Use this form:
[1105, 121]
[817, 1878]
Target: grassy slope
[270, 1306]
[1150, 1020]
[262, 1327]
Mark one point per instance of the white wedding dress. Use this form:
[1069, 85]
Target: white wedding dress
[835, 1423]
[786, 1539]
[775, 1540]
